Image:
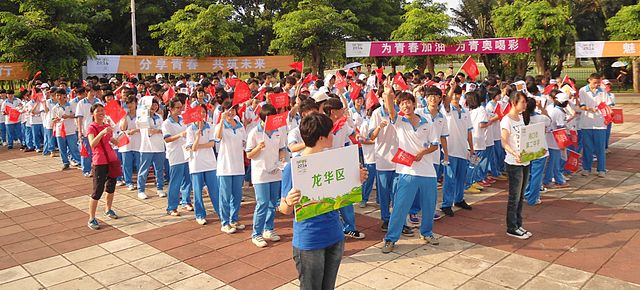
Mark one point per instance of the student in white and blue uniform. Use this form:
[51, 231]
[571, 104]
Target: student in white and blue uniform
[152, 152]
[231, 136]
[368, 154]
[417, 137]
[202, 166]
[532, 191]
[174, 132]
[83, 115]
[267, 150]
[558, 116]
[130, 152]
[611, 102]
[13, 127]
[67, 139]
[594, 131]
[386, 145]
[3, 127]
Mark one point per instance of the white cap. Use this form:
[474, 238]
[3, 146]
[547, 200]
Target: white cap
[553, 81]
[320, 96]
[562, 97]
[159, 76]
[44, 86]
[362, 77]
[471, 87]
[113, 80]
[606, 82]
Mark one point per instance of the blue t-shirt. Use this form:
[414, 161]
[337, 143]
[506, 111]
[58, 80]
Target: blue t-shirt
[315, 233]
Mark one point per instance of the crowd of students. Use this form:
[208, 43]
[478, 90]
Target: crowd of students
[460, 135]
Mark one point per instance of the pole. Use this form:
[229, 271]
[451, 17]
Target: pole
[635, 64]
[133, 28]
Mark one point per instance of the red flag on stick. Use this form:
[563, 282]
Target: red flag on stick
[279, 100]
[562, 139]
[618, 116]
[261, 93]
[379, 73]
[83, 150]
[354, 90]
[191, 115]
[572, 161]
[371, 100]
[341, 82]
[37, 74]
[399, 80]
[297, 65]
[14, 115]
[403, 157]
[274, 122]
[568, 81]
[471, 68]
[168, 94]
[309, 78]
[114, 111]
[548, 89]
[241, 93]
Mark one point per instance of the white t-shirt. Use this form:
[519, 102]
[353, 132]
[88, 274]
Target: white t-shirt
[175, 150]
[35, 117]
[134, 140]
[387, 141]
[231, 148]
[412, 140]
[294, 137]
[83, 110]
[539, 118]
[459, 125]
[513, 128]
[341, 137]
[203, 159]
[69, 124]
[441, 129]
[479, 116]
[368, 150]
[11, 104]
[591, 99]
[47, 119]
[557, 117]
[493, 131]
[264, 166]
[152, 143]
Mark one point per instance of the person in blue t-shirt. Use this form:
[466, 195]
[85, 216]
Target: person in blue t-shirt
[318, 242]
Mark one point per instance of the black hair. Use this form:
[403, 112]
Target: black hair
[173, 102]
[308, 105]
[58, 91]
[433, 91]
[531, 107]
[314, 126]
[595, 75]
[493, 92]
[79, 90]
[132, 99]
[457, 90]
[95, 107]
[227, 104]
[473, 101]
[267, 110]
[404, 96]
[332, 104]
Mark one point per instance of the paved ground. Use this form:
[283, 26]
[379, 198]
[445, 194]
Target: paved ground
[585, 236]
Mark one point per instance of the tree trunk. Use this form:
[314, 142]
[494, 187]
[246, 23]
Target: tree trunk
[541, 64]
[316, 62]
[431, 66]
[636, 75]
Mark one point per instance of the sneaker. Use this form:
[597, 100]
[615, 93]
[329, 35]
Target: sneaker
[436, 217]
[472, 190]
[543, 188]
[602, 174]
[270, 235]
[38, 150]
[161, 193]
[484, 184]
[585, 173]
[538, 201]
[518, 233]
[65, 167]
[86, 174]
[238, 226]
[120, 183]
[74, 163]
[447, 211]
[259, 242]
[93, 224]
[362, 204]
[354, 234]
[430, 240]
[141, 195]
[187, 207]
[490, 180]
[563, 185]
[228, 229]
[131, 187]
[500, 178]
[29, 150]
[463, 205]
[567, 178]
[385, 226]
[173, 213]
[414, 219]
[477, 186]
[111, 214]
[201, 221]
[526, 232]
[388, 247]
[407, 231]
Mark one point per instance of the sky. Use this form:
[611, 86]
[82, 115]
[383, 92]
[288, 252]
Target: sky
[450, 3]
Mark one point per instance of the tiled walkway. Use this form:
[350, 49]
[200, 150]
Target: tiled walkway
[585, 236]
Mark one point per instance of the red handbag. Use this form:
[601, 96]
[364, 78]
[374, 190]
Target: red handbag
[115, 168]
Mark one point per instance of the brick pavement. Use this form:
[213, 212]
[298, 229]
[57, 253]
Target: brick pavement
[585, 236]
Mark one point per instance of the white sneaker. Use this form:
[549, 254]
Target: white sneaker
[120, 183]
[585, 173]
[259, 242]
[228, 229]
[161, 193]
[131, 187]
[201, 221]
[237, 226]
[141, 195]
[602, 174]
[271, 235]
[528, 233]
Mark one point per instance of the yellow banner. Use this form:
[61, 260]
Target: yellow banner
[13, 71]
[585, 49]
[111, 64]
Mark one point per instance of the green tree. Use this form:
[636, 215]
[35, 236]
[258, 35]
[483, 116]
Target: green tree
[313, 30]
[423, 20]
[198, 31]
[625, 25]
[50, 35]
[547, 26]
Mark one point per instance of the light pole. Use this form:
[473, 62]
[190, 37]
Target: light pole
[133, 28]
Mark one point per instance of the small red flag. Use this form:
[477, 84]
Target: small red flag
[147, 93]
[606, 113]
[568, 81]
[351, 73]
[83, 150]
[573, 159]
[341, 82]
[279, 100]
[297, 65]
[241, 110]
[191, 115]
[63, 131]
[562, 139]
[114, 111]
[379, 73]
[471, 68]
[261, 93]
[274, 122]
[14, 115]
[241, 93]
[403, 157]
[371, 100]
[84, 83]
[168, 94]
[123, 140]
[232, 82]
[573, 135]
[37, 74]
[618, 116]
[309, 78]
[354, 90]
[399, 80]
[22, 88]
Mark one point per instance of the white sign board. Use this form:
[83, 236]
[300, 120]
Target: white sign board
[532, 143]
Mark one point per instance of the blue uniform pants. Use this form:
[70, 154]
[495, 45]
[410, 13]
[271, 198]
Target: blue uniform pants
[453, 189]
[384, 189]
[267, 197]
[367, 186]
[198, 181]
[593, 144]
[407, 187]
[230, 197]
[554, 169]
[532, 192]
[146, 159]
[179, 185]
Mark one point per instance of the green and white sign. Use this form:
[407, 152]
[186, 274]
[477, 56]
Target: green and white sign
[327, 181]
[532, 144]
